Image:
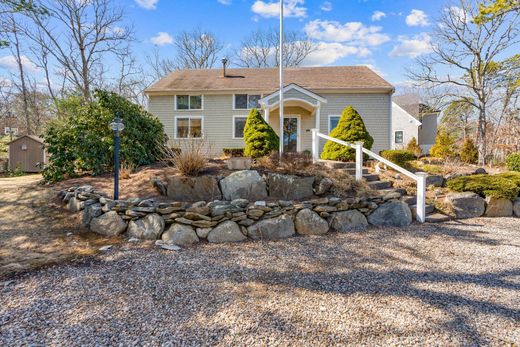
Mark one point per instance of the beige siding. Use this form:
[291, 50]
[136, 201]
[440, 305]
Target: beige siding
[306, 122]
[293, 94]
[373, 108]
[26, 159]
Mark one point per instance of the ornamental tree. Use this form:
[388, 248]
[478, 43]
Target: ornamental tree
[259, 137]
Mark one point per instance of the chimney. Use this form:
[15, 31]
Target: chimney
[224, 63]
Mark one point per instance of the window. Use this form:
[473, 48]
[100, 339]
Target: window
[10, 130]
[399, 136]
[188, 127]
[333, 122]
[246, 101]
[189, 102]
[239, 122]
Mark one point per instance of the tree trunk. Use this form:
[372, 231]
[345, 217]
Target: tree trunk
[481, 135]
[25, 98]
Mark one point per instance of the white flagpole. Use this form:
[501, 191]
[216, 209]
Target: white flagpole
[281, 79]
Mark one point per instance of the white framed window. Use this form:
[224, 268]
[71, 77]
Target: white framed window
[189, 127]
[399, 136]
[239, 123]
[246, 101]
[10, 130]
[333, 122]
[189, 102]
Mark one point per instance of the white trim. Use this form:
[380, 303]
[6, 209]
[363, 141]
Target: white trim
[317, 116]
[307, 92]
[393, 139]
[328, 121]
[189, 103]
[417, 122]
[189, 117]
[285, 100]
[233, 127]
[244, 109]
[298, 128]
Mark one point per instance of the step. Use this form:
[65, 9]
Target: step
[437, 218]
[410, 200]
[380, 185]
[352, 172]
[331, 164]
[401, 191]
[371, 177]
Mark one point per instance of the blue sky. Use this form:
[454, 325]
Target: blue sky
[386, 35]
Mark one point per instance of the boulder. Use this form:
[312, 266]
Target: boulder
[435, 180]
[480, 171]
[91, 211]
[245, 184]
[226, 232]
[109, 224]
[75, 205]
[351, 220]
[290, 187]
[159, 185]
[180, 235]
[516, 207]
[203, 232]
[465, 205]
[393, 213]
[324, 186]
[272, 229]
[498, 207]
[308, 222]
[149, 227]
[193, 188]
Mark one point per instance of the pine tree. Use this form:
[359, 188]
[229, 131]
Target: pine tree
[469, 152]
[444, 146]
[350, 128]
[414, 147]
[259, 137]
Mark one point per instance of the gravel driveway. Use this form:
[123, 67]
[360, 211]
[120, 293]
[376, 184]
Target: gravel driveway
[452, 284]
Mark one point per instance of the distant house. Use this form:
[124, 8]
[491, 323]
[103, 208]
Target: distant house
[11, 126]
[214, 103]
[412, 118]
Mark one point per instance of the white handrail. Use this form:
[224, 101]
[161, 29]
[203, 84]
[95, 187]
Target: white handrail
[419, 177]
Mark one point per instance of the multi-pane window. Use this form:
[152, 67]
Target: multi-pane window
[333, 122]
[188, 127]
[239, 123]
[189, 102]
[399, 136]
[10, 131]
[247, 101]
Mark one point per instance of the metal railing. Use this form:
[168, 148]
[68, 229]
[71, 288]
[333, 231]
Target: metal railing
[419, 177]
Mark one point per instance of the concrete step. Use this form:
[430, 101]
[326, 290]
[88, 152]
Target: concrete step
[331, 164]
[371, 177]
[437, 218]
[352, 172]
[380, 185]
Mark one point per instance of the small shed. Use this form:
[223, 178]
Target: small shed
[27, 153]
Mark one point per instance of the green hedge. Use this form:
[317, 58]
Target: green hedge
[506, 185]
[513, 162]
[400, 157]
[233, 152]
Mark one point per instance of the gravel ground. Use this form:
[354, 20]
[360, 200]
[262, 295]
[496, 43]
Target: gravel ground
[456, 283]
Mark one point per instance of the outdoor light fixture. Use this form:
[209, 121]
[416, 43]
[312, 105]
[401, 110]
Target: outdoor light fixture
[117, 127]
[24, 147]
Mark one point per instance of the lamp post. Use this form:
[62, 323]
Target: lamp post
[117, 127]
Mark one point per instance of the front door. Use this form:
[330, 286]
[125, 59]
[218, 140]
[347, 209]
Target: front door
[290, 134]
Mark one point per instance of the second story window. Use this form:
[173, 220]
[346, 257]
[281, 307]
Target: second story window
[189, 102]
[246, 101]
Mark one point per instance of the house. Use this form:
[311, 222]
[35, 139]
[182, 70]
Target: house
[27, 153]
[412, 118]
[214, 103]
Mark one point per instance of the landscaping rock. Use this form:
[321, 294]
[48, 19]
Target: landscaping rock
[498, 207]
[91, 211]
[392, 213]
[324, 186]
[345, 221]
[272, 229]
[516, 207]
[75, 205]
[193, 188]
[161, 187]
[203, 232]
[480, 171]
[465, 205]
[226, 232]
[149, 227]
[435, 180]
[180, 235]
[290, 187]
[308, 222]
[246, 184]
[109, 224]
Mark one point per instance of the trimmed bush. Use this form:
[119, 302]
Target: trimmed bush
[259, 137]
[81, 140]
[233, 152]
[469, 152]
[505, 185]
[414, 147]
[398, 156]
[444, 146]
[513, 161]
[350, 128]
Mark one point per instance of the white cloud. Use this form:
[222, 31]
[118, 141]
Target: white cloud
[377, 15]
[329, 52]
[291, 8]
[355, 32]
[225, 2]
[9, 62]
[417, 18]
[147, 4]
[326, 6]
[412, 46]
[162, 38]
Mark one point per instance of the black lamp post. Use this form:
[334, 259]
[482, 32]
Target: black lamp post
[117, 126]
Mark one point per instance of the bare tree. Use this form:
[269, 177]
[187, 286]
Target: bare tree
[261, 49]
[197, 49]
[158, 65]
[467, 50]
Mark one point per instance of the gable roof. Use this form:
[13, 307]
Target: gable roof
[267, 79]
[294, 86]
[415, 120]
[412, 104]
[33, 137]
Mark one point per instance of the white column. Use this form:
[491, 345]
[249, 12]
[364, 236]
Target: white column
[315, 145]
[421, 196]
[318, 116]
[359, 160]
[266, 115]
[281, 79]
